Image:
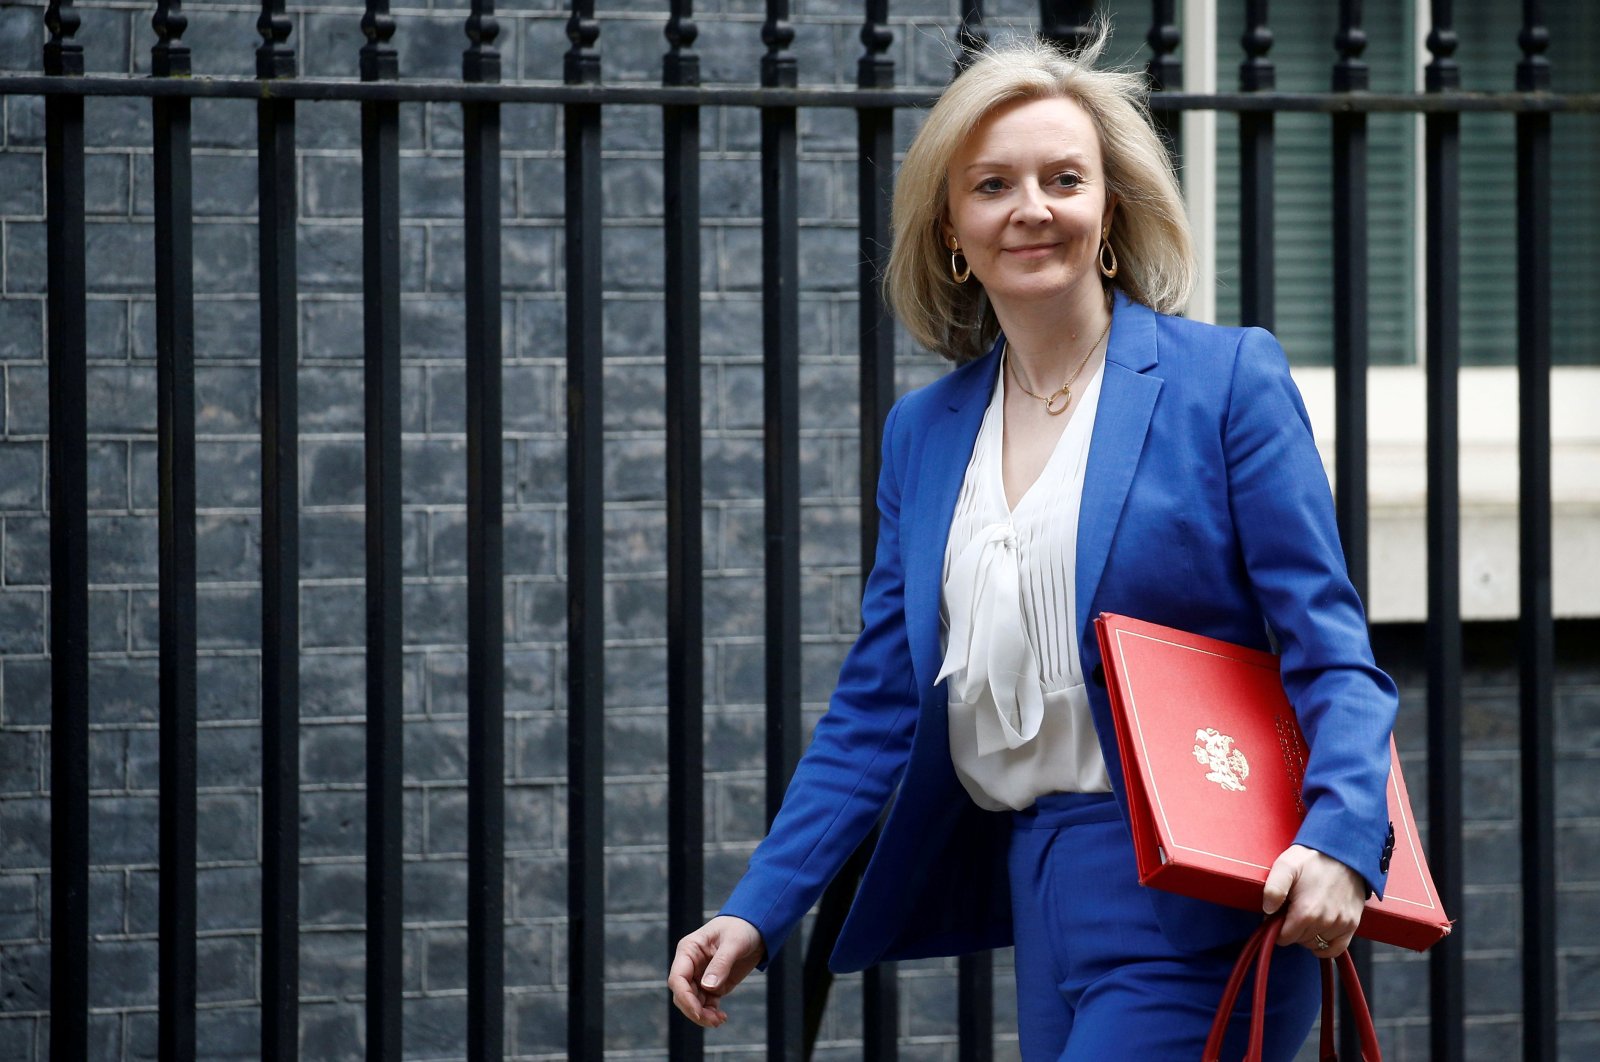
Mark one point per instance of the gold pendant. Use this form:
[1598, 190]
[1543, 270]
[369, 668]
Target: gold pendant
[1064, 392]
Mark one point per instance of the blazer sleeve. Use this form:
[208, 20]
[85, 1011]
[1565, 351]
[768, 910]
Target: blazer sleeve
[1283, 512]
[858, 751]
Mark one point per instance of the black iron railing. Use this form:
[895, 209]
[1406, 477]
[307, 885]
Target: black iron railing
[793, 988]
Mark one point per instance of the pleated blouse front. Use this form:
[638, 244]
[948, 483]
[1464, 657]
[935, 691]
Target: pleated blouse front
[1019, 714]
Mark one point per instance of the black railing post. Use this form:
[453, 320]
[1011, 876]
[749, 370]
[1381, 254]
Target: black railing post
[975, 1007]
[975, 973]
[685, 512]
[874, 195]
[1257, 295]
[1067, 22]
[280, 549]
[1536, 642]
[1350, 353]
[480, 64]
[971, 36]
[1165, 72]
[69, 546]
[1444, 649]
[380, 234]
[780, 322]
[174, 276]
[585, 552]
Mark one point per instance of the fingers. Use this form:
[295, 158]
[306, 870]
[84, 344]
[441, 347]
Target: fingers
[710, 963]
[684, 982]
[1324, 902]
[1280, 880]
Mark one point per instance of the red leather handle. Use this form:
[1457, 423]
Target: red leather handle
[1258, 949]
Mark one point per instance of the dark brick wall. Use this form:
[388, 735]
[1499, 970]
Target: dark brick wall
[122, 493]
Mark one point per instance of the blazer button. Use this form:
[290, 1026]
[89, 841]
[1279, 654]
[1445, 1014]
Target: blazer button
[1098, 675]
[1388, 851]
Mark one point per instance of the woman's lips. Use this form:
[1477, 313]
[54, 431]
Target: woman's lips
[1036, 250]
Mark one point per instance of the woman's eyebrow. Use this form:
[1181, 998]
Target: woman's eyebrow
[1071, 159]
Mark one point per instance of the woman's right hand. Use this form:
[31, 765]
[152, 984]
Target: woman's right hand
[710, 963]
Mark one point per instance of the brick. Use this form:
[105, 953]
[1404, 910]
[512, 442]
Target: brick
[21, 329]
[436, 750]
[16, 1034]
[530, 956]
[229, 1033]
[529, 257]
[537, 1023]
[225, 969]
[332, 823]
[225, 184]
[435, 614]
[228, 687]
[332, 1031]
[742, 672]
[25, 977]
[636, 813]
[226, 826]
[19, 51]
[122, 973]
[21, 623]
[436, 1026]
[25, 256]
[332, 753]
[25, 121]
[334, 472]
[435, 471]
[228, 898]
[536, 747]
[333, 963]
[107, 757]
[636, 677]
[124, 690]
[436, 890]
[329, 260]
[332, 684]
[23, 177]
[228, 756]
[734, 739]
[25, 692]
[1578, 852]
[333, 893]
[21, 768]
[19, 906]
[108, 476]
[536, 885]
[531, 819]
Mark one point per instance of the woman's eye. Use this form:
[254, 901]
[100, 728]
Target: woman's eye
[992, 184]
[1068, 180]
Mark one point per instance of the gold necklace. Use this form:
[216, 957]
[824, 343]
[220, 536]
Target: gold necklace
[1064, 392]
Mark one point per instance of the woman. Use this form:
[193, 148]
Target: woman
[1089, 454]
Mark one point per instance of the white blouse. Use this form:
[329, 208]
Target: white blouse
[1019, 714]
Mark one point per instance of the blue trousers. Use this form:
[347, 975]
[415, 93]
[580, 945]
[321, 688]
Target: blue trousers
[1096, 979]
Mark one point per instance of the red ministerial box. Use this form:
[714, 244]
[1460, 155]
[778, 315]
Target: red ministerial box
[1214, 760]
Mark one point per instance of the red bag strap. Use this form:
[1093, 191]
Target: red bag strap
[1258, 949]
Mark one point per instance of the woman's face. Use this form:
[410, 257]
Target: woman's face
[1028, 202]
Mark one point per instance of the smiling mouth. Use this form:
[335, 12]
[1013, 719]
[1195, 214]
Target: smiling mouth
[1032, 249]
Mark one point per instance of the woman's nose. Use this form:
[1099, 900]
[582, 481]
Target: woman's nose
[1031, 206]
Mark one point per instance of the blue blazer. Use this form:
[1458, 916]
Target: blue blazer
[1205, 507]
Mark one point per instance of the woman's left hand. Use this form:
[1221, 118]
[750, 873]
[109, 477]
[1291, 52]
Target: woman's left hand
[1325, 899]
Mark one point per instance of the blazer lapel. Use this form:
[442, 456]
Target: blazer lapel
[1127, 400]
[951, 433]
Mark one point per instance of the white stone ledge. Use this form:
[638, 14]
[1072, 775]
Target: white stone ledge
[1397, 487]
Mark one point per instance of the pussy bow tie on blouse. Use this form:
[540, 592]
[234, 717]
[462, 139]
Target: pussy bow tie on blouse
[991, 661]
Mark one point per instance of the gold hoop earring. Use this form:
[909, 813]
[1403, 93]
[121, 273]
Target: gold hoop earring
[1107, 271]
[962, 273]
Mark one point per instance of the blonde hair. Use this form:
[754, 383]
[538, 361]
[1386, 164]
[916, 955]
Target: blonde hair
[1150, 230]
